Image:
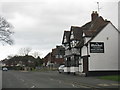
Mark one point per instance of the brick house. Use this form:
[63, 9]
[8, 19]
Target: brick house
[55, 58]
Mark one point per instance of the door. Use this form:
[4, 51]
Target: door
[85, 64]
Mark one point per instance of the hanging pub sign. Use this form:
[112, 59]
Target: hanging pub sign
[96, 47]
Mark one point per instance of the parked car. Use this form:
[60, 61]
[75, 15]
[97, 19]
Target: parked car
[61, 68]
[5, 69]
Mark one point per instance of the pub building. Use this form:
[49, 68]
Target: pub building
[92, 49]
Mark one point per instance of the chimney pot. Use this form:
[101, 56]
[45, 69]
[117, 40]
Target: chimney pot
[94, 15]
[95, 12]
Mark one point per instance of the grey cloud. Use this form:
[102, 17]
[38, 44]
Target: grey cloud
[52, 18]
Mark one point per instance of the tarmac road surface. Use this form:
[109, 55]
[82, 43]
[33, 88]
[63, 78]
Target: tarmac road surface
[52, 79]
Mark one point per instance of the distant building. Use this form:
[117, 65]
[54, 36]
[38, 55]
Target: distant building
[55, 58]
[20, 61]
[47, 59]
[92, 47]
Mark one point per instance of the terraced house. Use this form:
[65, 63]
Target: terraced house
[92, 49]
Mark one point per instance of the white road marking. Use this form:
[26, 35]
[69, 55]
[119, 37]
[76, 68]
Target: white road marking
[24, 71]
[103, 85]
[32, 87]
[51, 79]
[73, 85]
[115, 84]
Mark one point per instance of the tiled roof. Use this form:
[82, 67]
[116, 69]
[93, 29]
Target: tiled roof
[77, 32]
[67, 35]
[92, 28]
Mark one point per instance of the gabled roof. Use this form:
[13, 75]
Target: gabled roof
[67, 36]
[102, 29]
[77, 32]
[59, 50]
[92, 28]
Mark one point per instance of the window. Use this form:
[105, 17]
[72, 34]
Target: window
[74, 43]
[75, 61]
[56, 56]
[67, 62]
[67, 46]
[61, 56]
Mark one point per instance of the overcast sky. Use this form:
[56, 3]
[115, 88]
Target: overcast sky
[40, 24]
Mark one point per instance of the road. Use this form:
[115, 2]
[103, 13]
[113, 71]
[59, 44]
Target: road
[0, 79]
[51, 79]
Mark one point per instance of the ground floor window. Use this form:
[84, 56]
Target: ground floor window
[75, 61]
[72, 61]
[67, 62]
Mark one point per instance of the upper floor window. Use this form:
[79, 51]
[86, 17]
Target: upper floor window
[56, 56]
[61, 56]
[74, 43]
[67, 46]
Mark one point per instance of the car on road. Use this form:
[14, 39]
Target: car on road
[61, 68]
[4, 69]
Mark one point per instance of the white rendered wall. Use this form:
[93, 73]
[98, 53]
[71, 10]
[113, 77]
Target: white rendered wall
[109, 59]
[119, 31]
[87, 39]
[84, 51]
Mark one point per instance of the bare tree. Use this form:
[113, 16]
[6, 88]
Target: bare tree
[5, 31]
[36, 54]
[24, 51]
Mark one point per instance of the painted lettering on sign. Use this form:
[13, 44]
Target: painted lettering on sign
[96, 47]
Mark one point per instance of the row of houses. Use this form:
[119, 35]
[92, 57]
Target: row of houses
[90, 48]
[26, 62]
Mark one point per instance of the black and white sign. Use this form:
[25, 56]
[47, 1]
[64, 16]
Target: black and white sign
[96, 47]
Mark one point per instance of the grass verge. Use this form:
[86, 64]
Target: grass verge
[112, 77]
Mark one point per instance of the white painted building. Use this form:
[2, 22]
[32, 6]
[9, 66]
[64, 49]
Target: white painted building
[107, 60]
[101, 47]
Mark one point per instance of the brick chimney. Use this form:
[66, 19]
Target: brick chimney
[94, 15]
